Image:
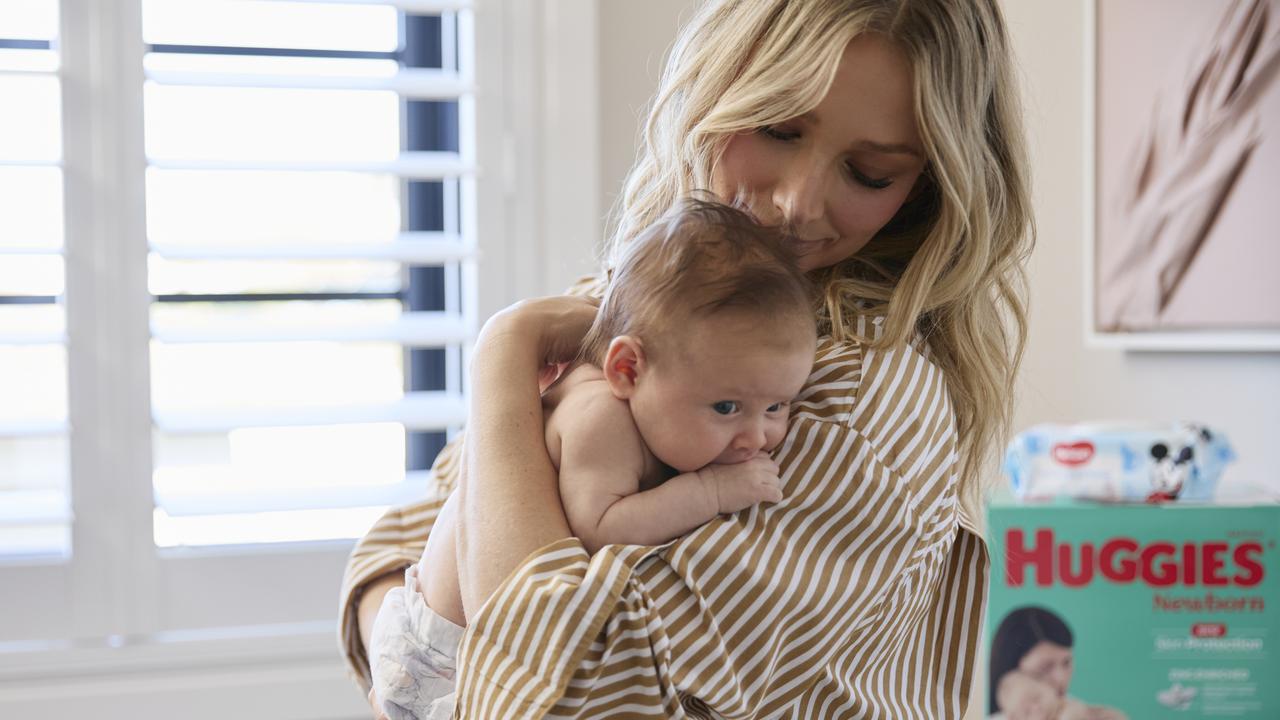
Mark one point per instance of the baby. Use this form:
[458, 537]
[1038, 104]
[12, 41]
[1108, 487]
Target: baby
[682, 388]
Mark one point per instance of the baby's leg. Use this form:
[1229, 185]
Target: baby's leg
[413, 651]
[438, 569]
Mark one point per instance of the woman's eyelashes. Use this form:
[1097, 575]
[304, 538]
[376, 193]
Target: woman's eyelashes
[776, 133]
[873, 183]
[787, 136]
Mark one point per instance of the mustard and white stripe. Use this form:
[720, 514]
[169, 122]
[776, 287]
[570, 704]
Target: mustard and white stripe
[860, 595]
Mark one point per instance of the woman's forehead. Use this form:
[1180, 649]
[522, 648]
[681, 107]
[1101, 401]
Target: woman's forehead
[871, 99]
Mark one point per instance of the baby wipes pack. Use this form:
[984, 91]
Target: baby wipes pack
[1153, 611]
[1123, 462]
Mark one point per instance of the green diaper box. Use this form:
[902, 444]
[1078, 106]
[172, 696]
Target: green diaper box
[1137, 611]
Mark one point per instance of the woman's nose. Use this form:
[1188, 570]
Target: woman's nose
[798, 193]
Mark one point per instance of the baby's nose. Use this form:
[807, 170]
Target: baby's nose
[752, 437]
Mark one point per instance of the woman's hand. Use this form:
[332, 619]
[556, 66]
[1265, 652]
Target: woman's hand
[510, 503]
[552, 327]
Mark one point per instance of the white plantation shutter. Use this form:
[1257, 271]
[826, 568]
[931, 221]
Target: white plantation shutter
[283, 172]
[34, 458]
[238, 279]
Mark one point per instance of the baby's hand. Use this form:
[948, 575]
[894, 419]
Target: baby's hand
[741, 485]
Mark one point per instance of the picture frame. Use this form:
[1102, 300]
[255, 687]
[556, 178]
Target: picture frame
[1127, 308]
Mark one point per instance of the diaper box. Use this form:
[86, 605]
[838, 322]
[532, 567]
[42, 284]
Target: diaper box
[1140, 611]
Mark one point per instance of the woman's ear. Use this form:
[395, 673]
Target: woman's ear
[624, 362]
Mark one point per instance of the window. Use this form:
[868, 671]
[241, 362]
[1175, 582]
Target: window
[304, 210]
[34, 458]
[238, 279]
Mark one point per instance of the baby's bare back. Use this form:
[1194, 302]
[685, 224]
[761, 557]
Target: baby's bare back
[438, 567]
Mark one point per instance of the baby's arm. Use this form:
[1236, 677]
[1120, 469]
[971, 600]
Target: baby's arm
[602, 459]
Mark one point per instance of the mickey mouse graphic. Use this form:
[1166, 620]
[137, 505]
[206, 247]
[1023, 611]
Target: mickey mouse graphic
[1170, 471]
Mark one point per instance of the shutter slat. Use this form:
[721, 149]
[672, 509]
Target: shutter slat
[412, 84]
[10, 162]
[415, 248]
[30, 250]
[35, 427]
[191, 503]
[412, 329]
[413, 165]
[33, 337]
[10, 72]
[33, 508]
[421, 7]
[418, 412]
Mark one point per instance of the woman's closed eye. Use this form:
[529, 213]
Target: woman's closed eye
[778, 134]
[725, 407]
[870, 182]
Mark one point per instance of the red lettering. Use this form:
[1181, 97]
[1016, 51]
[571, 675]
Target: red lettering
[1070, 578]
[1124, 560]
[1127, 568]
[1249, 568]
[1041, 557]
[1159, 575]
[1075, 454]
[1212, 553]
[1189, 564]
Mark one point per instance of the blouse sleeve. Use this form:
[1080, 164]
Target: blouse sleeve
[860, 594]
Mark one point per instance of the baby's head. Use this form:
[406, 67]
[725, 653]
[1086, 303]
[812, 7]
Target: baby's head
[707, 330]
[1022, 697]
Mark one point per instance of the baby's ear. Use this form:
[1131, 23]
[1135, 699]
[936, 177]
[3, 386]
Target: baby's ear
[623, 364]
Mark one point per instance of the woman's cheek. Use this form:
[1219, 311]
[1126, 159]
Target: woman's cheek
[865, 217]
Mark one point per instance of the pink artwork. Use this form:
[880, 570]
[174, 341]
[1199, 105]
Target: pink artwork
[1187, 224]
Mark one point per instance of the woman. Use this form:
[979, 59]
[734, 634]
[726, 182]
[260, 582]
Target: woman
[885, 136]
[1031, 656]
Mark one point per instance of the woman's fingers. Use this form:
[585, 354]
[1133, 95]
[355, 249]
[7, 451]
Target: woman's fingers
[553, 325]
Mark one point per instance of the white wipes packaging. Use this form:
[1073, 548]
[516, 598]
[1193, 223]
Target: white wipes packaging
[1118, 462]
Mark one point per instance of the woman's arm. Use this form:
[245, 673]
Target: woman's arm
[510, 503]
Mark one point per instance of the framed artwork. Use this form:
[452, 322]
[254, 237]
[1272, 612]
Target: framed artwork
[1183, 247]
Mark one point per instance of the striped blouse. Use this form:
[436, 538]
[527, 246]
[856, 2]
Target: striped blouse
[859, 595]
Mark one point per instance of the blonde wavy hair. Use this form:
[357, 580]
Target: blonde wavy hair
[948, 268]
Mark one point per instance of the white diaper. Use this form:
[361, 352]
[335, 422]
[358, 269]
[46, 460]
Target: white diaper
[413, 654]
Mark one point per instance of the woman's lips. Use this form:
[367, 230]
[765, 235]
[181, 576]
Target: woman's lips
[808, 247]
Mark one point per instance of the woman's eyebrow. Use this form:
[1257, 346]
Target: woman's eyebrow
[887, 148]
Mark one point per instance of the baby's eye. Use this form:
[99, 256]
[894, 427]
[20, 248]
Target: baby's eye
[725, 407]
[776, 407]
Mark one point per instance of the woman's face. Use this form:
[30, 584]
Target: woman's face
[838, 173]
[1049, 663]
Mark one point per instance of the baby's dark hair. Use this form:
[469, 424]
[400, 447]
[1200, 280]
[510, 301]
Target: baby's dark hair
[699, 259]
